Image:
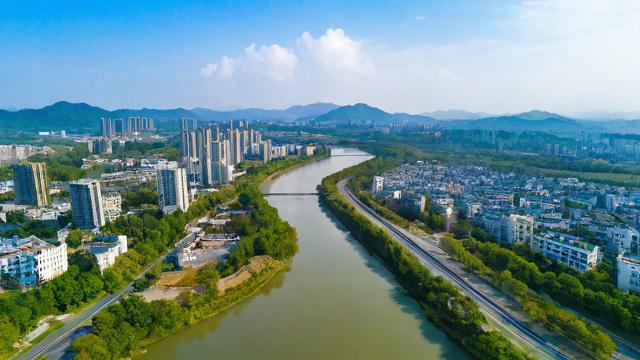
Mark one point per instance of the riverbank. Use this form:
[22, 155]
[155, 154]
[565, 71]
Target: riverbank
[272, 237]
[270, 178]
[444, 305]
[337, 302]
[232, 297]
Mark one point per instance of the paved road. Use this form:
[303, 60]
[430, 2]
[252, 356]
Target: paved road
[52, 344]
[486, 304]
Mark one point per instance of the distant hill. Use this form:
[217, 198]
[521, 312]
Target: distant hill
[84, 118]
[455, 115]
[363, 114]
[606, 116]
[292, 113]
[539, 115]
[61, 115]
[616, 126]
[529, 121]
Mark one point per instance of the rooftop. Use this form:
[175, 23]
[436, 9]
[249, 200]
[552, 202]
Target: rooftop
[569, 240]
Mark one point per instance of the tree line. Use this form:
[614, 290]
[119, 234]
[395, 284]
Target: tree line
[450, 310]
[589, 292]
[512, 276]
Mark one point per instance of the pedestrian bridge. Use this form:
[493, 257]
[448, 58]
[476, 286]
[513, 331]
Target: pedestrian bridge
[336, 155]
[290, 194]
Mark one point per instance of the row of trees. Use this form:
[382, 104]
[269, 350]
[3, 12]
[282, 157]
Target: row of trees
[590, 292]
[444, 304]
[508, 279]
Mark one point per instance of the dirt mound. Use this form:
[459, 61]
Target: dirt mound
[255, 266]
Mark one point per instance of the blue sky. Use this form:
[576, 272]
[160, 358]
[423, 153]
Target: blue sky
[414, 56]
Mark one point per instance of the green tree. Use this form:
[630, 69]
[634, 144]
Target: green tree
[74, 239]
[461, 229]
[90, 347]
[207, 276]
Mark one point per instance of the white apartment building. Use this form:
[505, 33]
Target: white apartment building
[51, 261]
[107, 248]
[520, 229]
[112, 206]
[567, 249]
[622, 238]
[629, 273]
[31, 260]
[377, 185]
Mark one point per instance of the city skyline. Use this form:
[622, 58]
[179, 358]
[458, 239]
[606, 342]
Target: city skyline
[492, 56]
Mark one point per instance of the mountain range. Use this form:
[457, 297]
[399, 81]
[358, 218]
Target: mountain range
[81, 117]
[455, 115]
[84, 118]
[364, 115]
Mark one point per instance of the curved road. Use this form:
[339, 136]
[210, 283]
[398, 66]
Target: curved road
[51, 345]
[486, 304]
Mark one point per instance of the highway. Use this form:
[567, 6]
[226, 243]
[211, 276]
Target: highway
[485, 303]
[65, 334]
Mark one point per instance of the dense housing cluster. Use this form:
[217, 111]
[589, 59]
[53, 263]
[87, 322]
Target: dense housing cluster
[576, 223]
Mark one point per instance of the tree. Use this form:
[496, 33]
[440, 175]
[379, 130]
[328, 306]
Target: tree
[113, 281]
[207, 276]
[90, 346]
[139, 198]
[37, 228]
[74, 239]
[461, 229]
[9, 334]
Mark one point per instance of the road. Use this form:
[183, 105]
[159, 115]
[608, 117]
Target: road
[489, 307]
[65, 334]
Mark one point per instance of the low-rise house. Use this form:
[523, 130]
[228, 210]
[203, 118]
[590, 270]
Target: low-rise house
[31, 260]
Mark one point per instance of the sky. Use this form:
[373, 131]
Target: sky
[410, 56]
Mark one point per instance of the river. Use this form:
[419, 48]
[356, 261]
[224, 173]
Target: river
[336, 302]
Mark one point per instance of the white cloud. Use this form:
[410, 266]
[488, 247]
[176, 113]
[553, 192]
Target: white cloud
[420, 17]
[563, 56]
[273, 62]
[227, 67]
[209, 70]
[336, 51]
